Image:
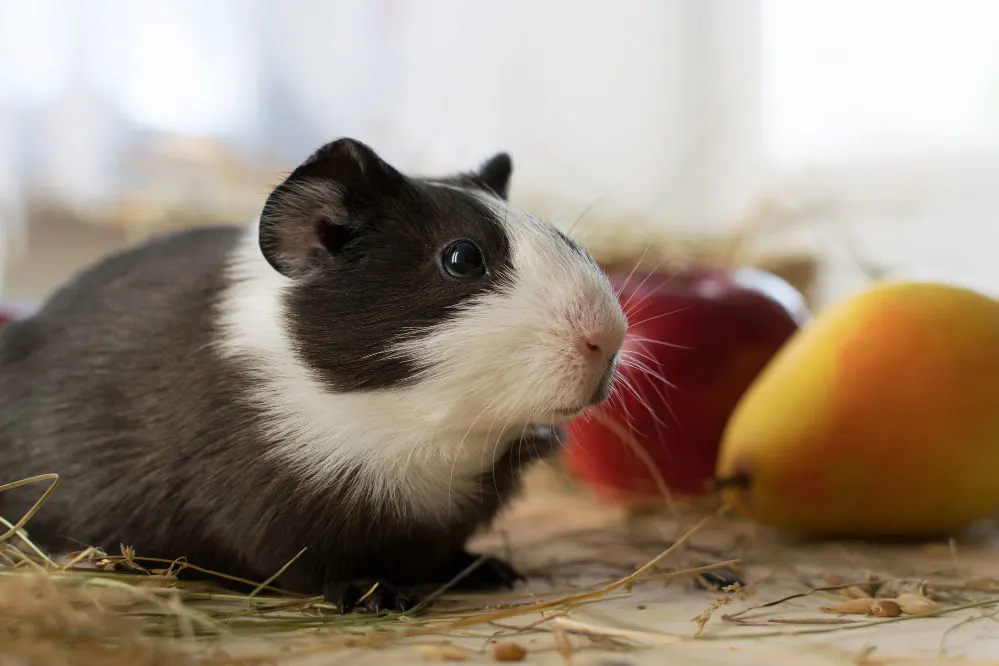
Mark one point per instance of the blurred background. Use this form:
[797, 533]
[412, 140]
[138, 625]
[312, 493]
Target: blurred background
[864, 133]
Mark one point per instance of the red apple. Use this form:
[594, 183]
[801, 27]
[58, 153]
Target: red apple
[695, 342]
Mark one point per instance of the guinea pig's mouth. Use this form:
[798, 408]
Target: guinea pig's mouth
[568, 411]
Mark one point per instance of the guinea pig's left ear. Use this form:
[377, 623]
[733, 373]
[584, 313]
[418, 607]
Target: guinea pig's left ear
[315, 211]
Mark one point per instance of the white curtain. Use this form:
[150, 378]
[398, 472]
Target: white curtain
[641, 107]
[884, 116]
[856, 79]
[672, 112]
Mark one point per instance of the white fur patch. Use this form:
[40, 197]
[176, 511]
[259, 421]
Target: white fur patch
[512, 352]
[399, 441]
[505, 364]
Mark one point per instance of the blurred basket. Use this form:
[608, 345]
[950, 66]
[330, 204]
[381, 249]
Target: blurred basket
[623, 250]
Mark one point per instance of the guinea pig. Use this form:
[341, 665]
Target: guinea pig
[353, 384]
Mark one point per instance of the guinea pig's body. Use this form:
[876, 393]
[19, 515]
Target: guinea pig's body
[361, 376]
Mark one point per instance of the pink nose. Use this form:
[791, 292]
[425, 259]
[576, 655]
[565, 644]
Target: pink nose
[599, 347]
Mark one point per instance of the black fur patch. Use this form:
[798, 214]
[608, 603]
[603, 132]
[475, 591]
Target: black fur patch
[388, 285]
[377, 279]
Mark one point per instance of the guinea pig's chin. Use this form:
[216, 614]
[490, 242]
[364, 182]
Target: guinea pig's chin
[558, 417]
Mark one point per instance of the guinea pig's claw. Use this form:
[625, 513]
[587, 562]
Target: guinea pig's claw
[368, 596]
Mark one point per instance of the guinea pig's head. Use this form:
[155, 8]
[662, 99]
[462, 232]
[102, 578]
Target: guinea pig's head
[468, 310]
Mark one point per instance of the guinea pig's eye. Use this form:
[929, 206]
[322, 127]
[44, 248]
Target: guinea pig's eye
[463, 260]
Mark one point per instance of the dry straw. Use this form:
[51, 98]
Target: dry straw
[99, 608]
[104, 608]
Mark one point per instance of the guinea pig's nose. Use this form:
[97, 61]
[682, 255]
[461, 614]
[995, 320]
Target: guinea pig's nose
[599, 346]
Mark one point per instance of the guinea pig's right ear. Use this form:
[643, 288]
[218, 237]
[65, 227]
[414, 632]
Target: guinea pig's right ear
[314, 211]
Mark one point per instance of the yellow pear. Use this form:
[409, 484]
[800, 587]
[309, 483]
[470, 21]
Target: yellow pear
[879, 417]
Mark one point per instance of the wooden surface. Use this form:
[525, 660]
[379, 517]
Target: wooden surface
[567, 542]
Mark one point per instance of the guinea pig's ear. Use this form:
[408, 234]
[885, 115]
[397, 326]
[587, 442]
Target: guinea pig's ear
[494, 175]
[314, 211]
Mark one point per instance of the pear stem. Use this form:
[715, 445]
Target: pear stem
[739, 480]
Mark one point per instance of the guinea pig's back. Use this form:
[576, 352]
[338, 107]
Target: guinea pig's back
[115, 369]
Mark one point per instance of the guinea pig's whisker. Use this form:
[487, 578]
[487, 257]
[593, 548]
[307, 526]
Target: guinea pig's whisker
[630, 302]
[635, 356]
[641, 351]
[641, 367]
[661, 393]
[664, 314]
[632, 312]
[645, 299]
[634, 268]
[520, 444]
[637, 364]
[482, 453]
[626, 383]
[672, 345]
[648, 274]
[616, 392]
[579, 219]
[457, 455]
[628, 357]
[500, 437]
[642, 400]
[665, 283]
[662, 398]
[634, 307]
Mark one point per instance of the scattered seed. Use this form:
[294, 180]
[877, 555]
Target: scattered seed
[885, 608]
[508, 652]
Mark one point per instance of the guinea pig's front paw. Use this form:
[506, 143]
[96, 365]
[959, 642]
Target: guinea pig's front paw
[358, 594]
[490, 573]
